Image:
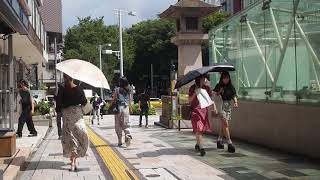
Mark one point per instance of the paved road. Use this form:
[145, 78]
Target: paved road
[157, 153]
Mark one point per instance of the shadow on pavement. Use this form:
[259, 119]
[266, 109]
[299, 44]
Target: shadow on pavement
[171, 152]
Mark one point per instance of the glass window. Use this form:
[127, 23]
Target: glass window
[307, 44]
[191, 23]
[276, 50]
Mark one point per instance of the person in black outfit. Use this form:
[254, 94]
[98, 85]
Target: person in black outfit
[59, 109]
[144, 104]
[226, 90]
[27, 105]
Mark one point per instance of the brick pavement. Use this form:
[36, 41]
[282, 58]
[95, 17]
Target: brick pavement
[160, 153]
[49, 164]
[25, 146]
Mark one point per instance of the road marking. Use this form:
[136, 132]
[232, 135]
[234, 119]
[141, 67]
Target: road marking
[117, 167]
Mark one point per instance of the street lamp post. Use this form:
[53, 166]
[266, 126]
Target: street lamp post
[100, 49]
[100, 59]
[55, 62]
[119, 13]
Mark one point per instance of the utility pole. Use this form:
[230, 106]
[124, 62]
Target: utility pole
[11, 83]
[55, 62]
[100, 57]
[151, 78]
[119, 13]
[120, 41]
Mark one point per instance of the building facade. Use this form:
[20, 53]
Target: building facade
[235, 6]
[51, 12]
[274, 46]
[22, 49]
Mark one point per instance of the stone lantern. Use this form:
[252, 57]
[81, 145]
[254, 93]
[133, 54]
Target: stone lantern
[188, 15]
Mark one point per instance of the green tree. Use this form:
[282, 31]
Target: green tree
[82, 40]
[152, 46]
[214, 20]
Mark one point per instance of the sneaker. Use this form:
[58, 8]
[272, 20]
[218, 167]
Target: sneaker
[231, 148]
[220, 145]
[202, 152]
[147, 126]
[60, 137]
[128, 140]
[119, 144]
[140, 125]
[32, 135]
[197, 147]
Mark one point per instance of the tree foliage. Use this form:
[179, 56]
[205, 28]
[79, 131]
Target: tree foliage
[145, 43]
[152, 46]
[214, 20]
[82, 40]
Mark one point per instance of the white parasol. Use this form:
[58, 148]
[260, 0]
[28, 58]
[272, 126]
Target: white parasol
[84, 71]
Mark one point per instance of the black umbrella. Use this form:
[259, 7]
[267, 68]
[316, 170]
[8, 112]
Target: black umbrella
[221, 67]
[192, 75]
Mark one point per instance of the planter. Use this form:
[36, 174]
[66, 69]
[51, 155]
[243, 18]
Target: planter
[8, 144]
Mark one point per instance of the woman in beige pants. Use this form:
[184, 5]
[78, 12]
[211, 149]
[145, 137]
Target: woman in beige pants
[122, 118]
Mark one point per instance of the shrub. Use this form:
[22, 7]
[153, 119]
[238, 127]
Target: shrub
[135, 109]
[42, 108]
[152, 111]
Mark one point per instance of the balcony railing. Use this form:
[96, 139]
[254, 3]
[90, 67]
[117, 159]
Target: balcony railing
[36, 31]
[20, 12]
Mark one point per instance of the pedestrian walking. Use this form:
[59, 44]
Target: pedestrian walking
[27, 105]
[199, 116]
[144, 105]
[101, 103]
[122, 97]
[226, 90]
[59, 110]
[74, 135]
[102, 107]
[96, 103]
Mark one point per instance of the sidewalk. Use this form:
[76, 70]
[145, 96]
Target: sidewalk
[25, 147]
[154, 158]
[49, 164]
[160, 153]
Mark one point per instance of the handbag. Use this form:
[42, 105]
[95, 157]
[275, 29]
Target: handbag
[87, 108]
[114, 107]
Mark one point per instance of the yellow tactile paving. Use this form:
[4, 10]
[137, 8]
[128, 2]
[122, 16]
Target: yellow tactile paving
[117, 167]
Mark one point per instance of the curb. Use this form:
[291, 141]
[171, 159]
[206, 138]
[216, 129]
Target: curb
[17, 162]
[19, 159]
[161, 125]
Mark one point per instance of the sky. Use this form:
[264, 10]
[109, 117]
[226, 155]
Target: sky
[145, 9]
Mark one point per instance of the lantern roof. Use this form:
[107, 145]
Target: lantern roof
[189, 7]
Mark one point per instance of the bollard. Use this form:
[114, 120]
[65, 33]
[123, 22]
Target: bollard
[50, 121]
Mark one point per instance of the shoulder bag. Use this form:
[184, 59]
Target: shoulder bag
[114, 107]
